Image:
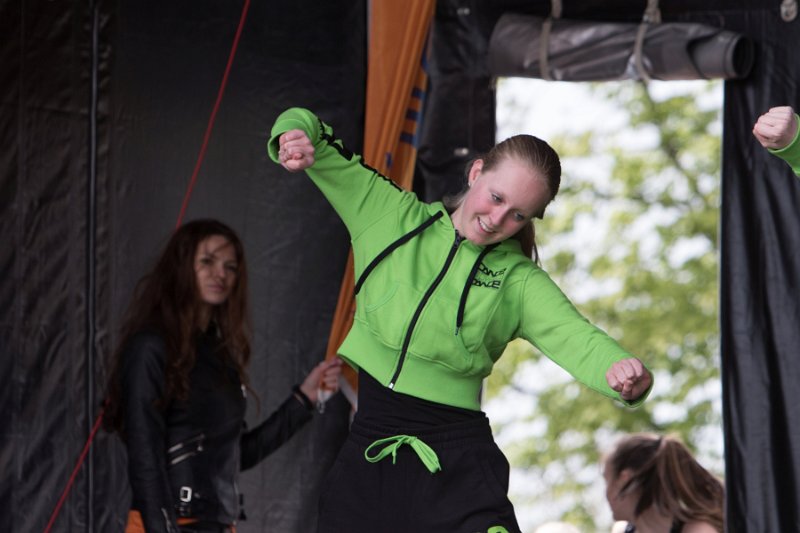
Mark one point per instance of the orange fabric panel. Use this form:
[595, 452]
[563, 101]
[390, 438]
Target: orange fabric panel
[396, 82]
[398, 33]
[135, 524]
[405, 153]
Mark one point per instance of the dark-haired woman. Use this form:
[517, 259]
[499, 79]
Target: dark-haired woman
[657, 486]
[178, 387]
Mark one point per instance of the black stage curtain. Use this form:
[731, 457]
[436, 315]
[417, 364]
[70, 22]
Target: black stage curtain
[760, 288]
[51, 286]
[103, 107]
[459, 110]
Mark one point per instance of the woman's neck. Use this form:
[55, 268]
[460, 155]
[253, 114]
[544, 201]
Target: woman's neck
[203, 317]
[455, 218]
[653, 521]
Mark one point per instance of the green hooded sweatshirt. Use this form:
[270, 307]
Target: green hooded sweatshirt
[434, 311]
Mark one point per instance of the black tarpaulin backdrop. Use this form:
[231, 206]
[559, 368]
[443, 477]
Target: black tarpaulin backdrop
[579, 50]
[760, 289]
[78, 240]
[102, 111]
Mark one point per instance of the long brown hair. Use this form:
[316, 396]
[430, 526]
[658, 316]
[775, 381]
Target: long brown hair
[166, 301]
[667, 476]
[541, 158]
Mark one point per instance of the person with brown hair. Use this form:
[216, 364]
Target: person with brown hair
[440, 292]
[178, 382]
[657, 486]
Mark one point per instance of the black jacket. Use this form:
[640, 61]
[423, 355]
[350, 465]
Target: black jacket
[184, 460]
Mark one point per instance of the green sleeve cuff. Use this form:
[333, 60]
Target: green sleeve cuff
[791, 145]
[295, 118]
[791, 152]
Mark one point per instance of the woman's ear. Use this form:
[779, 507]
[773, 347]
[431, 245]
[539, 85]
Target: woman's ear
[624, 482]
[474, 171]
[625, 475]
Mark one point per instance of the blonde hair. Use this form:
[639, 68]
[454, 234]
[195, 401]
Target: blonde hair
[541, 158]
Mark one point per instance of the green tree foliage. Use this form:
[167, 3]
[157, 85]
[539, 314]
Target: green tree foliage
[632, 238]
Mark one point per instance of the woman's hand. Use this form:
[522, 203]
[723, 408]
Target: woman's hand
[776, 128]
[324, 376]
[295, 151]
[629, 378]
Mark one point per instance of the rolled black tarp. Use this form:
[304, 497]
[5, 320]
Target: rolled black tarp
[576, 50]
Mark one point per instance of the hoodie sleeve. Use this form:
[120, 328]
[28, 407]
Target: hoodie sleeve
[359, 193]
[278, 428]
[553, 324]
[145, 430]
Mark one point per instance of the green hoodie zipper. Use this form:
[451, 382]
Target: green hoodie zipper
[421, 306]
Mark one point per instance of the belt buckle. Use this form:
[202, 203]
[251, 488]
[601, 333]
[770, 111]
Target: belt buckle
[184, 506]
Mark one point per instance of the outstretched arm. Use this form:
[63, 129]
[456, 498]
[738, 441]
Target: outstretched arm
[299, 140]
[292, 414]
[552, 323]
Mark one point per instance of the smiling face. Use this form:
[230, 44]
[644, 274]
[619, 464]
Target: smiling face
[500, 201]
[215, 268]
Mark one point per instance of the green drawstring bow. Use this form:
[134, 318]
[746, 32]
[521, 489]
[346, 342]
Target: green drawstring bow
[424, 452]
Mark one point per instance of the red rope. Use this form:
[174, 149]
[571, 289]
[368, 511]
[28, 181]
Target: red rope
[185, 203]
[75, 471]
[210, 126]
